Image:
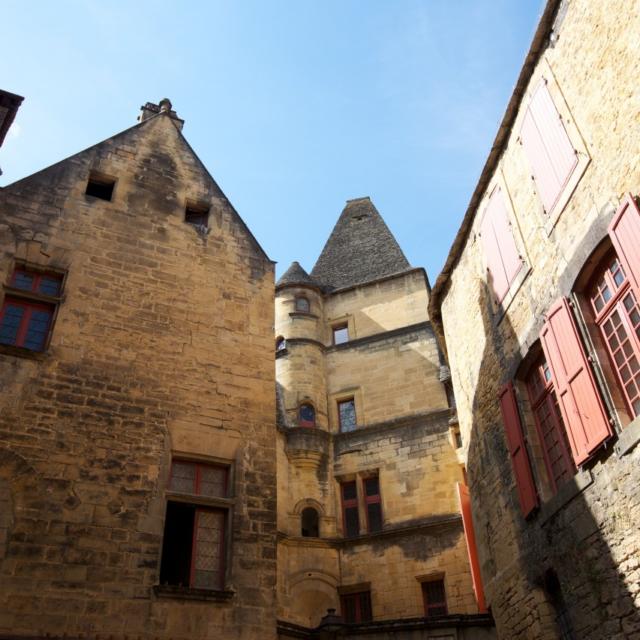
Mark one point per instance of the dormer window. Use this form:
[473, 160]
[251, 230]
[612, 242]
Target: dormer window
[302, 304]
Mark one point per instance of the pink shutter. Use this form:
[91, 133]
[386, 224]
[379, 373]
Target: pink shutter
[472, 550]
[580, 404]
[503, 259]
[511, 260]
[624, 231]
[517, 450]
[547, 146]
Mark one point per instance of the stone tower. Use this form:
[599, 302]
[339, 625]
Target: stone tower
[368, 514]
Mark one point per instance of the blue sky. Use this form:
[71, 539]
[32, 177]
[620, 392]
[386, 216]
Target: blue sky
[294, 107]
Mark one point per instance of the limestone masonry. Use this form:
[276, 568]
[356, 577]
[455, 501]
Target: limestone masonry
[192, 451]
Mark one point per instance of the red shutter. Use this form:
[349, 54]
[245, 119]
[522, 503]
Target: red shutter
[580, 404]
[472, 550]
[547, 146]
[517, 450]
[501, 253]
[624, 231]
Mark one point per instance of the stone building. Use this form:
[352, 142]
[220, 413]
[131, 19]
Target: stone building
[137, 453]
[369, 521]
[537, 309]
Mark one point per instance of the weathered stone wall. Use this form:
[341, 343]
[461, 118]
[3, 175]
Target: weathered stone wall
[587, 533]
[163, 345]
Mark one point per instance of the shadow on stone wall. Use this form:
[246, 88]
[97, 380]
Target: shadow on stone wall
[559, 574]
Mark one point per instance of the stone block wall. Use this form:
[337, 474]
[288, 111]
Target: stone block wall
[162, 347]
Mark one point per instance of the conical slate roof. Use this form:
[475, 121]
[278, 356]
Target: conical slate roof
[360, 248]
[295, 274]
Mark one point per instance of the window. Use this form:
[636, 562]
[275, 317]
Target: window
[281, 344]
[356, 607]
[193, 550]
[549, 424]
[197, 215]
[302, 304]
[501, 254]
[617, 316]
[29, 307]
[309, 523]
[347, 414]
[341, 333]
[433, 596]
[100, 186]
[350, 516]
[373, 504]
[547, 146]
[306, 415]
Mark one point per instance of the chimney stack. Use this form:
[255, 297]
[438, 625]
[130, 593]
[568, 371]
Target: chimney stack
[150, 109]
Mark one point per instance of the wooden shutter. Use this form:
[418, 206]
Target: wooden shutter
[581, 407]
[501, 253]
[547, 146]
[624, 231]
[472, 550]
[517, 450]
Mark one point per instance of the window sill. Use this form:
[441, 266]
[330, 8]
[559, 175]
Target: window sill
[192, 593]
[566, 493]
[21, 352]
[303, 314]
[629, 438]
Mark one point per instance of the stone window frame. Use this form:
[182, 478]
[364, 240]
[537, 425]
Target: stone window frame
[307, 424]
[544, 73]
[225, 504]
[32, 298]
[354, 393]
[361, 596]
[345, 321]
[299, 299]
[361, 501]
[432, 578]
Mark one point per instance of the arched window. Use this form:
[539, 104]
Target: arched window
[309, 523]
[306, 415]
[302, 304]
[281, 344]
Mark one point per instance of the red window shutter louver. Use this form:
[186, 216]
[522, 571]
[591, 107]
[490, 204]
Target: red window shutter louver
[472, 550]
[547, 146]
[501, 253]
[517, 450]
[624, 232]
[580, 404]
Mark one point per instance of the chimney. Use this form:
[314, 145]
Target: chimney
[150, 109]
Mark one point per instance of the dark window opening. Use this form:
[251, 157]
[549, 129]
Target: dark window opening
[302, 304]
[433, 596]
[350, 517]
[356, 607]
[552, 586]
[373, 504]
[100, 186]
[306, 415]
[281, 344]
[176, 547]
[341, 333]
[197, 216]
[309, 521]
[347, 414]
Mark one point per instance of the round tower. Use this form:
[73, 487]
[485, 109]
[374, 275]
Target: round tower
[300, 370]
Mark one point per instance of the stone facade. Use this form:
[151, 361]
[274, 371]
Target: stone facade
[161, 349]
[569, 569]
[386, 361]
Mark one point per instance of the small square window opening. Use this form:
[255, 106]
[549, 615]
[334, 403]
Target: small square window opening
[197, 216]
[341, 333]
[100, 186]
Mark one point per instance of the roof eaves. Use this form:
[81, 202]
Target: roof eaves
[538, 46]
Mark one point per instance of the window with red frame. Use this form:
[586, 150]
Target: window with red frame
[28, 309]
[617, 315]
[434, 598]
[373, 504]
[350, 516]
[551, 430]
[356, 607]
[194, 546]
